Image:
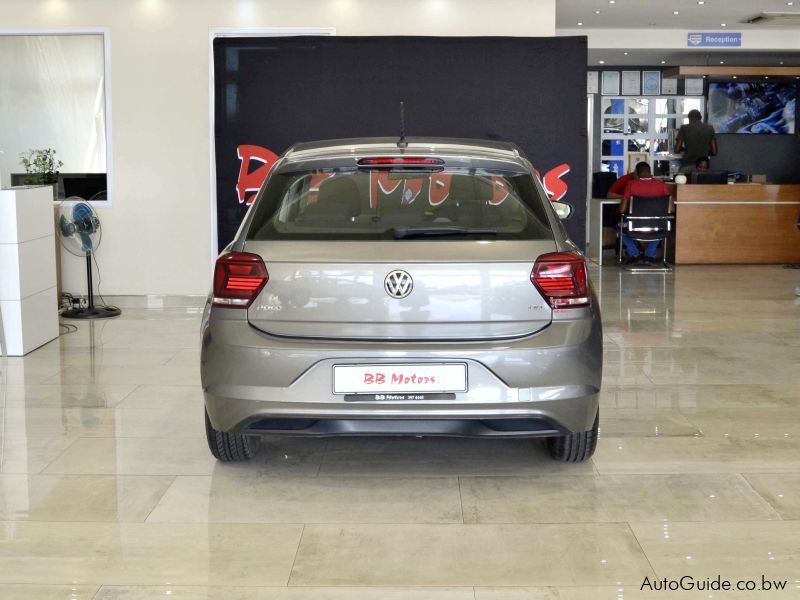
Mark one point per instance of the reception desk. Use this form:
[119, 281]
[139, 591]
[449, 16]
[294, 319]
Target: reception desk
[746, 223]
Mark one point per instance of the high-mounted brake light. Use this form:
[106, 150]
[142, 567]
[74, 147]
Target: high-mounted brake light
[239, 278]
[561, 278]
[400, 161]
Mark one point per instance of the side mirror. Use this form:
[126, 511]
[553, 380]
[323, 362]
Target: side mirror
[563, 210]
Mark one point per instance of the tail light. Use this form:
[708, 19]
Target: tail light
[562, 280]
[239, 278]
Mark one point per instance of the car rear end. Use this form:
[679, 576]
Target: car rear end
[378, 290]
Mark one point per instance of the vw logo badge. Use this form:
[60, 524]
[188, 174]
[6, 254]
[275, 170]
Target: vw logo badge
[398, 284]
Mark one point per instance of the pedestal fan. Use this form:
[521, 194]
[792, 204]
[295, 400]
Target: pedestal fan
[80, 233]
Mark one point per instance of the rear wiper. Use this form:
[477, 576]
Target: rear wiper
[401, 231]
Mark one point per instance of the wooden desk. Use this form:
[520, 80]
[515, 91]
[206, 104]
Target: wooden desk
[737, 224]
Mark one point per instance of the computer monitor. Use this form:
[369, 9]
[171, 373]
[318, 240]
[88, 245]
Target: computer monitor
[84, 185]
[709, 177]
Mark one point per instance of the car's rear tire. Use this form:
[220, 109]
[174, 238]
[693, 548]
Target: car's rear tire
[230, 447]
[575, 447]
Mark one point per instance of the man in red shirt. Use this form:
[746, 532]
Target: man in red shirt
[643, 185]
[618, 188]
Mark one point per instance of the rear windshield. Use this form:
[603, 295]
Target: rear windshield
[356, 204]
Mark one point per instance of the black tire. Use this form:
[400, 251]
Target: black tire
[230, 447]
[575, 447]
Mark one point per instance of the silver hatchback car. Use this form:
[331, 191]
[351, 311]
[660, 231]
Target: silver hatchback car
[422, 288]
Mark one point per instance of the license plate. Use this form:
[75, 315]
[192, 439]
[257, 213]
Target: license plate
[380, 379]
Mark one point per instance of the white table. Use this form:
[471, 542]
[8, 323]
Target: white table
[594, 241]
[28, 299]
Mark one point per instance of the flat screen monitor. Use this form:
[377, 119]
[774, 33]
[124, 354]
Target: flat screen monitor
[709, 177]
[762, 107]
[89, 186]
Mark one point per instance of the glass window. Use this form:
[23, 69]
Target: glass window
[646, 126]
[357, 204]
[52, 97]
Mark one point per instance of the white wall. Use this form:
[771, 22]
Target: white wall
[157, 235]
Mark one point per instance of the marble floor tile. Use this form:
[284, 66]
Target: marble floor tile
[781, 490]
[30, 454]
[157, 396]
[740, 550]
[626, 422]
[649, 355]
[169, 420]
[134, 456]
[245, 497]
[725, 371]
[147, 554]
[99, 356]
[761, 422]
[13, 591]
[134, 375]
[66, 396]
[186, 357]
[285, 593]
[612, 498]
[696, 455]
[683, 396]
[88, 498]
[477, 555]
[434, 457]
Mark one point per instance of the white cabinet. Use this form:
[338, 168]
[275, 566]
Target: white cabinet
[28, 298]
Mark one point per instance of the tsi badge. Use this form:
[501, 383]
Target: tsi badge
[398, 284]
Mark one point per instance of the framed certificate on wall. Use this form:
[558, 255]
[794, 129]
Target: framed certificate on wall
[630, 83]
[611, 83]
[651, 83]
[669, 85]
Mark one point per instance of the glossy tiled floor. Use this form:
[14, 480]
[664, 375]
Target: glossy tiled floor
[107, 490]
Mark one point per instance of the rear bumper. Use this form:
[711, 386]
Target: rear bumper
[541, 385]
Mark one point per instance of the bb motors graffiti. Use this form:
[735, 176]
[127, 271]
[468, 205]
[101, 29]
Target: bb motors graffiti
[257, 161]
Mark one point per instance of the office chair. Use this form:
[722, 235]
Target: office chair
[648, 219]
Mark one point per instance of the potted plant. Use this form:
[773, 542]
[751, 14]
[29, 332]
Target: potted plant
[41, 167]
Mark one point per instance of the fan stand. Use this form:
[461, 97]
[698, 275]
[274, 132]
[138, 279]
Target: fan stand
[91, 311]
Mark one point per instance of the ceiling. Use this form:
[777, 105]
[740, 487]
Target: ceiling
[658, 14]
[624, 14]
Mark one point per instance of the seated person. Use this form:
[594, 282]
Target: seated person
[702, 164]
[618, 188]
[643, 185]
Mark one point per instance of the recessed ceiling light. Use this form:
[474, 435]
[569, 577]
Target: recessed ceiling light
[675, 12]
[602, 62]
[722, 62]
[597, 12]
[789, 3]
[580, 23]
[781, 62]
[663, 62]
[612, 1]
[626, 54]
[701, 2]
[734, 76]
[766, 77]
[723, 24]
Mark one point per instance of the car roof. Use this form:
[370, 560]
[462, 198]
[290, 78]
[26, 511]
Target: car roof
[420, 146]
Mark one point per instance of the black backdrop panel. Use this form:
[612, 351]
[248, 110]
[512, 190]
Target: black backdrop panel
[273, 92]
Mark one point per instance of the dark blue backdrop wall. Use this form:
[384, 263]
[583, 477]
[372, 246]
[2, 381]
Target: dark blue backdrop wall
[273, 92]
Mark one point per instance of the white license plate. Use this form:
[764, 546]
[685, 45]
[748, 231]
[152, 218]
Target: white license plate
[379, 379]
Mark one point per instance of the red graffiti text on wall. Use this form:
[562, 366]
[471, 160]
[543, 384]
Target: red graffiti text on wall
[256, 162]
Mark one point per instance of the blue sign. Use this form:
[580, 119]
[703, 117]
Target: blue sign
[706, 39]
